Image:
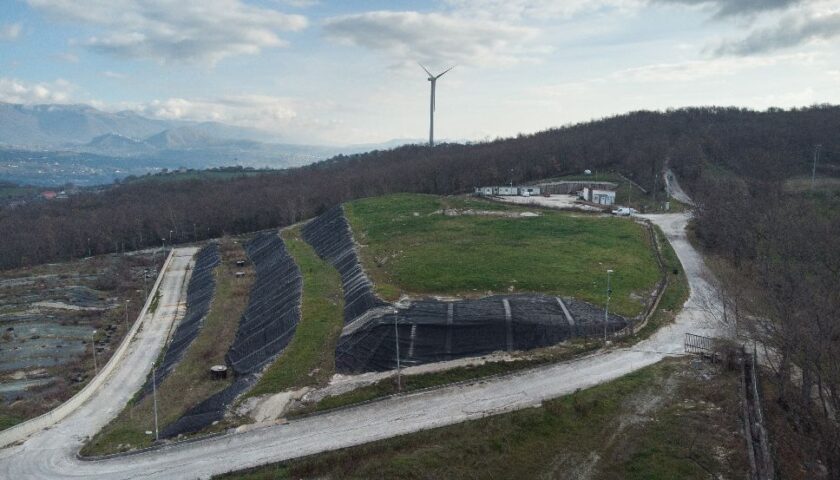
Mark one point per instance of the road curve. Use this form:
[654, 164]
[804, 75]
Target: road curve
[119, 385]
[51, 454]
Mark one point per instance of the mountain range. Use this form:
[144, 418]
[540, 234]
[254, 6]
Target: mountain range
[54, 144]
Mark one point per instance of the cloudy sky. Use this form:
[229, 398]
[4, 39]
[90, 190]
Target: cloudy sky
[343, 72]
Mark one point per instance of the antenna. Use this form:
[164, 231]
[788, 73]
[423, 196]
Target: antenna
[433, 79]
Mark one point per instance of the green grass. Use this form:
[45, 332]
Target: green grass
[676, 292]
[408, 249]
[309, 358]
[8, 420]
[190, 382]
[667, 421]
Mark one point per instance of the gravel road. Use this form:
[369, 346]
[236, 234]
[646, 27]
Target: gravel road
[51, 454]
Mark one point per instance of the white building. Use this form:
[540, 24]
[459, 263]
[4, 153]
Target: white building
[596, 195]
[508, 191]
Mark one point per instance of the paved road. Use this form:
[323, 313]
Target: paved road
[50, 446]
[51, 454]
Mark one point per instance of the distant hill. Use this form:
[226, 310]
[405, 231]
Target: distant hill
[54, 144]
[58, 125]
[180, 138]
[116, 144]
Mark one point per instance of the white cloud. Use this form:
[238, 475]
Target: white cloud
[738, 8]
[203, 31]
[437, 38]
[677, 72]
[793, 29]
[256, 111]
[10, 31]
[17, 91]
[68, 57]
[298, 3]
[536, 9]
[113, 75]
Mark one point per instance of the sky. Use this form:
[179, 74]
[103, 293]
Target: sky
[346, 72]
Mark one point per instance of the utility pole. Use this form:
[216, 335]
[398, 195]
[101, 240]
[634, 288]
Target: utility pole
[126, 315]
[814, 168]
[397, 344]
[93, 344]
[154, 398]
[607, 310]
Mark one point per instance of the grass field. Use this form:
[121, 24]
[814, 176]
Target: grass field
[407, 248]
[676, 419]
[190, 382]
[309, 358]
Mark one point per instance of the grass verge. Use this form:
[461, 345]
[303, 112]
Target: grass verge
[411, 383]
[309, 358]
[408, 247]
[190, 382]
[676, 292]
[676, 419]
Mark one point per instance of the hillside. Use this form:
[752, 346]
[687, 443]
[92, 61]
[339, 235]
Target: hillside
[774, 144]
[411, 247]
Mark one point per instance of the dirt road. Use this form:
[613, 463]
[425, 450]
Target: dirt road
[51, 454]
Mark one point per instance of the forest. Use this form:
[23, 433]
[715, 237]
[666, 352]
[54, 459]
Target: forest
[769, 145]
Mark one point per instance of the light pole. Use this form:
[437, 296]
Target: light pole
[170, 237]
[154, 399]
[93, 344]
[607, 310]
[127, 301]
[814, 168]
[397, 344]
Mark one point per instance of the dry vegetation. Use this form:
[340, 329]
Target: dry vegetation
[190, 381]
[676, 419]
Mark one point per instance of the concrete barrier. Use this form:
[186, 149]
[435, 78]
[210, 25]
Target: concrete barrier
[23, 430]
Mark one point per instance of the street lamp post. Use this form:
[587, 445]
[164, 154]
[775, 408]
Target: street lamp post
[154, 399]
[127, 301]
[397, 344]
[93, 344]
[607, 310]
[170, 237]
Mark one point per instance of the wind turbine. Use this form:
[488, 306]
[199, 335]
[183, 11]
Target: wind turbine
[433, 79]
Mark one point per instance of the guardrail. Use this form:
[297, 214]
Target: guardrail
[23, 430]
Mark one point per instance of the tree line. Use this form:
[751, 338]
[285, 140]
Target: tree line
[638, 144]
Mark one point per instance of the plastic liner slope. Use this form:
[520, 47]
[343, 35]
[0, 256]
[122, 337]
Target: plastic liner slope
[265, 329]
[330, 236]
[200, 293]
[431, 330]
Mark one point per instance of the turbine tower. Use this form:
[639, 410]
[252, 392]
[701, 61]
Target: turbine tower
[433, 79]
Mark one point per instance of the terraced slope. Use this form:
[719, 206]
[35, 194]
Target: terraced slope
[377, 335]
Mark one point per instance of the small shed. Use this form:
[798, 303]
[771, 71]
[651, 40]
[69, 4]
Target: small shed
[597, 195]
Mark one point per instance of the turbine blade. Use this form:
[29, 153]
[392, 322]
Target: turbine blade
[448, 69]
[426, 69]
